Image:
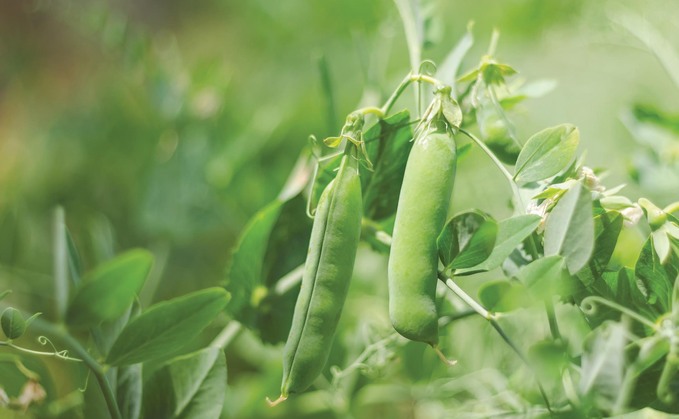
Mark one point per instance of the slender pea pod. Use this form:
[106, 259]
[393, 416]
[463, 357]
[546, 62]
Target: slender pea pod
[421, 213]
[332, 250]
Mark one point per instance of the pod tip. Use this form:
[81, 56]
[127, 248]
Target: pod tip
[276, 402]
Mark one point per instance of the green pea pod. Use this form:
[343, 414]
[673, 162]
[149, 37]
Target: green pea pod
[329, 266]
[420, 215]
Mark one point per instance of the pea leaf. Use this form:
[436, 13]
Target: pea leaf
[109, 290]
[627, 293]
[190, 386]
[467, 239]
[547, 153]
[510, 233]
[388, 143]
[247, 260]
[545, 277]
[5, 294]
[607, 228]
[656, 279]
[549, 358]
[503, 296]
[270, 313]
[166, 326]
[569, 230]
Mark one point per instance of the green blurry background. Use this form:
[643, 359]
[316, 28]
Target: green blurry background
[166, 125]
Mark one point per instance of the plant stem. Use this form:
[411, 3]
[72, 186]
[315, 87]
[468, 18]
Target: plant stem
[671, 208]
[465, 297]
[96, 369]
[549, 305]
[226, 336]
[60, 263]
[289, 280]
[79, 351]
[410, 78]
[553, 323]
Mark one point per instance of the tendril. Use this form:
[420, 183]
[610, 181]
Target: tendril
[44, 341]
[589, 308]
[87, 381]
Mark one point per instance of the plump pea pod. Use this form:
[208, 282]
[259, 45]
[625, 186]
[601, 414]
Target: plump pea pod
[329, 266]
[420, 215]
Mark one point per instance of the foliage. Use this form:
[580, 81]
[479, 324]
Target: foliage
[133, 294]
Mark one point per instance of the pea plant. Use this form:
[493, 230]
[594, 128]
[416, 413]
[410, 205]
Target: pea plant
[390, 187]
[137, 356]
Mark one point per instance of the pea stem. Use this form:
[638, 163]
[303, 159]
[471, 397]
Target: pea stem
[671, 208]
[79, 351]
[227, 335]
[410, 78]
[289, 280]
[549, 305]
[465, 297]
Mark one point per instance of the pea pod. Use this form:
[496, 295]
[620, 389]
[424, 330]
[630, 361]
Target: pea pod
[329, 265]
[421, 213]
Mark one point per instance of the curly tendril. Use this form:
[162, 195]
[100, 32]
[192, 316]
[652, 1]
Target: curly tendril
[44, 341]
[589, 308]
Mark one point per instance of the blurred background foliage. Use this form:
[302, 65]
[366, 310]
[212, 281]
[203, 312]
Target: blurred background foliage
[166, 125]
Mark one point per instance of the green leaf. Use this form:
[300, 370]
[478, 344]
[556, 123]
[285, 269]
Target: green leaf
[547, 153]
[467, 240]
[287, 249]
[569, 230]
[510, 233]
[245, 271]
[546, 277]
[109, 290]
[607, 228]
[603, 363]
[503, 296]
[188, 387]
[388, 143]
[129, 391]
[549, 358]
[656, 280]
[628, 294]
[13, 323]
[495, 73]
[167, 326]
